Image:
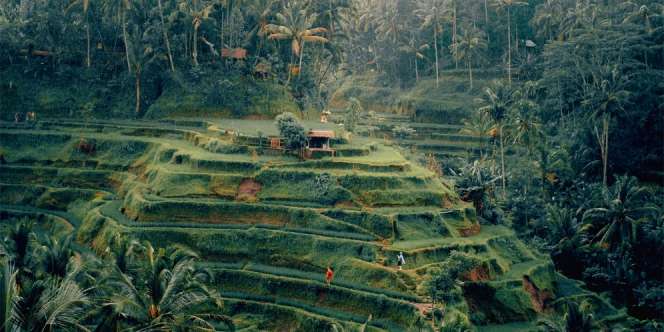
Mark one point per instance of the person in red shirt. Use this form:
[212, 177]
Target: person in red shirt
[329, 275]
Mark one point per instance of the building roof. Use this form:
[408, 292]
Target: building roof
[321, 133]
[234, 53]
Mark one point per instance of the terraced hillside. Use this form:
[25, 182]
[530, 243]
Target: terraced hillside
[268, 224]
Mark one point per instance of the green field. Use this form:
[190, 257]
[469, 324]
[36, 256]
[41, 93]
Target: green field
[181, 182]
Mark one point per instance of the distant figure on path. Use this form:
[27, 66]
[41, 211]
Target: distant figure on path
[329, 275]
[400, 260]
[17, 117]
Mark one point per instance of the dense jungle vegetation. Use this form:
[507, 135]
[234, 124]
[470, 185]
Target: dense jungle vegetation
[567, 97]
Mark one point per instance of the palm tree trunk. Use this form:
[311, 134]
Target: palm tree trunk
[454, 37]
[435, 46]
[470, 71]
[165, 33]
[88, 61]
[605, 149]
[486, 22]
[126, 45]
[194, 46]
[417, 74]
[299, 66]
[138, 93]
[502, 160]
[509, 47]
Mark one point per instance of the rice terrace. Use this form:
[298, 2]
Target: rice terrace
[303, 165]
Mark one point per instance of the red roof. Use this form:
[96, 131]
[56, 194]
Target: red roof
[235, 53]
[321, 133]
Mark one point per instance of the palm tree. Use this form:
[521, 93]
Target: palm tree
[197, 13]
[168, 292]
[470, 46]
[54, 254]
[574, 320]
[478, 124]
[561, 223]
[260, 11]
[432, 13]
[527, 128]
[618, 216]
[46, 304]
[507, 6]
[475, 184]
[140, 46]
[18, 243]
[413, 47]
[453, 4]
[547, 19]
[332, 13]
[164, 31]
[118, 9]
[605, 99]
[498, 100]
[296, 24]
[84, 6]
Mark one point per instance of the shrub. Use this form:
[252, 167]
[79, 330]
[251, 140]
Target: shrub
[292, 131]
[352, 114]
[402, 131]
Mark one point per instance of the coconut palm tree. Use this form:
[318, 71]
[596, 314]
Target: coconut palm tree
[164, 31]
[197, 12]
[475, 184]
[615, 222]
[433, 13]
[547, 19]
[18, 243]
[84, 7]
[413, 46]
[260, 11]
[605, 99]
[497, 101]
[526, 127]
[10, 316]
[295, 23]
[117, 9]
[561, 223]
[507, 6]
[45, 304]
[140, 46]
[167, 292]
[576, 319]
[471, 45]
[454, 9]
[53, 254]
[478, 124]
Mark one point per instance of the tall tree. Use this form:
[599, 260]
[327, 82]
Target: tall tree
[166, 291]
[84, 7]
[433, 13]
[606, 99]
[470, 46]
[507, 6]
[164, 31]
[295, 23]
[197, 11]
[614, 223]
[497, 101]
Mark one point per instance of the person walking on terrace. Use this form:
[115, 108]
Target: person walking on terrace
[329, 275]
[400, 260]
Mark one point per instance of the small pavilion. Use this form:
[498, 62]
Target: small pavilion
[318, 143]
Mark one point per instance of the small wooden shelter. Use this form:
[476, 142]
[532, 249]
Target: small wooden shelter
[318, 143]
